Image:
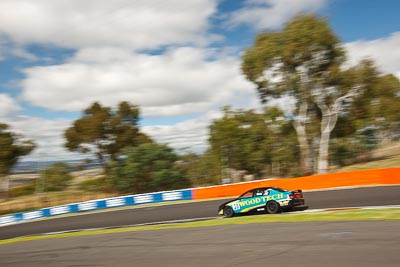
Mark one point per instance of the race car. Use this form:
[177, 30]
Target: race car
[270, 199]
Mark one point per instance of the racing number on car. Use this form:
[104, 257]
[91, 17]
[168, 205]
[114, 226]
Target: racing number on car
[236, 206]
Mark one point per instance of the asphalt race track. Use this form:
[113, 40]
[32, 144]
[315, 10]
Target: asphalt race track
[369, 196]
[311, 244]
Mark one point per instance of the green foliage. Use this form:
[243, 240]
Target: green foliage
[188, 163]
[344, 151]
[12, 148]
[105, 132]
[372, 117]
[55, 178]
[301, 61]
[286, 52]
[305, 61]
[202, 170]
[245, 140]
[240, 138]
[24, 190]
[96, 185]
[377, 106]
[146, 168]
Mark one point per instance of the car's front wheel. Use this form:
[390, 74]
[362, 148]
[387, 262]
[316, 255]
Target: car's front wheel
[273, 207]
[228, 212]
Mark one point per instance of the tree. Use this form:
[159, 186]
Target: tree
[146, 168]
[283, 145]
[377, 106]
[208, 169]
[304, 62]
[55, 178]
[373, 117]
[189, 164]
[12, 148]
[246, 140]
[240, 138]
[105, 132]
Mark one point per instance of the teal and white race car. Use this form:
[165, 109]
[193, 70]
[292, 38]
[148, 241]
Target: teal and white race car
[270, 199]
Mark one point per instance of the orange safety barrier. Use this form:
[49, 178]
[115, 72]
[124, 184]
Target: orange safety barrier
[331, 180]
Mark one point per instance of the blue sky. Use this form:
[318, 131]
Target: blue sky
[178, 60]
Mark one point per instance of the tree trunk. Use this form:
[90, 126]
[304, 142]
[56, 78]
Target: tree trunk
[306, 162]
[328, 123]
[323, 154]
[299, 124]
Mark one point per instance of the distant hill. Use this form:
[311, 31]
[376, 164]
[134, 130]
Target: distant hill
[35, 166]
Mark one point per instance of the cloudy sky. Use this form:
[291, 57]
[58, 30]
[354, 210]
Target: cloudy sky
[178, 60]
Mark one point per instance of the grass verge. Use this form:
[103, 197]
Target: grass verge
[383, 214]
[390, 162]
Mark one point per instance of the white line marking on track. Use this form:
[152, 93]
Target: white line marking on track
[336, 235]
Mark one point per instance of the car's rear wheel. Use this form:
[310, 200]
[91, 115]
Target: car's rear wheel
[273, 207]
[228, 212]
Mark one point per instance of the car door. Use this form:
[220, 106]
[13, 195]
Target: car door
[251, 200]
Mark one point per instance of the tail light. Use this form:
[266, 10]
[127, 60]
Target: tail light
[296, 194]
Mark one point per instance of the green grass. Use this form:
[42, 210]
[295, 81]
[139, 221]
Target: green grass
[341, 215]
[391, 162]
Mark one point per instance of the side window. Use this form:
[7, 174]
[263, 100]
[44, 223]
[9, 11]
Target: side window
[258, 192]
[247, 194]
[266, 192]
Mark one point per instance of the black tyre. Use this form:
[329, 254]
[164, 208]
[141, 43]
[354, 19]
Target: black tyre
[228, 212]
[273, 207]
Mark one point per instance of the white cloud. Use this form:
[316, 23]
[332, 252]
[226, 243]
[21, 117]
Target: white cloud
[384, 51]
[47, 135]
[139, 24]
[187, 136]
[271, 14]
[22, 53]
[7, 49]
[181, 81]
[7, 105]
[109, 64]
[190, 135]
